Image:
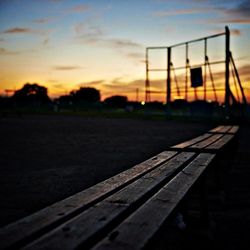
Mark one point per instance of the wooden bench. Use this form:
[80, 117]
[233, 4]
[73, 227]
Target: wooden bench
[122, 212]
[222, 141]
[214, 141]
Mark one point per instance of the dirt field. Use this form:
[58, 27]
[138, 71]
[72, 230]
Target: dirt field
[44, 159]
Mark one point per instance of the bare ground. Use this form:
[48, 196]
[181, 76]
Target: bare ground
[44, 159]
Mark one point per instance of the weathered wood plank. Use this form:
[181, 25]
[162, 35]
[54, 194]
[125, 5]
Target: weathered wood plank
[219, 144]
[138, 229]
[191, 142]
[221, 129]
[233, 130]
[206, 142]
[94, 221]
[203, 141]
[36, 224]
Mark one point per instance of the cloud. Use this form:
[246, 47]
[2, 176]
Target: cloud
[17, 30]
[237, 20]
[121, 86]
[46, 42]
[52, 81]
[79, 8]
[93, 35]
[122, 43]
[125, 47]
[140, 57]
[42, 20]
[230, 11]
[239, 14]
[235, 32]
[244, 71]
[242, 9]
[180, 12]
[58, 86]
[67, 68]
[91, 83]
[86, 31]
[55, 1]
[42, 34]
[114, 43]
[5, 52]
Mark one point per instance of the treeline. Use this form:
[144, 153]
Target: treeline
[36, 95]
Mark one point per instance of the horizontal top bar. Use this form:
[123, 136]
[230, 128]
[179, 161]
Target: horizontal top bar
[184, 43]
[197, 40]
[159, 47]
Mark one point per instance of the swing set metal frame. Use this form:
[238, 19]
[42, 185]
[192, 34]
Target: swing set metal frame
[229, 97]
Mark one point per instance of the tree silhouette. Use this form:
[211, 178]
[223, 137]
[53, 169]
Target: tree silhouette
[86, 94]
[31, 94]
[65, 100]
[116, 101]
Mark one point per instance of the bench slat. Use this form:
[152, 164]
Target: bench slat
[191, 142]
[138, 229]
[94, 221]
[221, 129]
[220, 143]
[205, 143]
[212, 141]
[233, 130]
[34, 225]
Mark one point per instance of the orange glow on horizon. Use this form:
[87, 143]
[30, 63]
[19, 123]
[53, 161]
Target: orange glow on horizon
[129, 89]
[103, 45]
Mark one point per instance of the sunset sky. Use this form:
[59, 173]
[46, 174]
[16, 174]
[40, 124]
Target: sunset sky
[67, 44]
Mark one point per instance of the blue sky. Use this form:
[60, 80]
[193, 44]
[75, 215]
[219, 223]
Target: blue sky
[65, 44]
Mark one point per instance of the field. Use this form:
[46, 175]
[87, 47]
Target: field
[44, 159]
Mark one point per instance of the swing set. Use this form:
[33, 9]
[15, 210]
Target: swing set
[193, 73]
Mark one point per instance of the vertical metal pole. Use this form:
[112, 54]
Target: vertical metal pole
[169, 75]
[147, 78]
[186, 80]
[244, 100]
[137, 95]
[227, 71]
[205, 73]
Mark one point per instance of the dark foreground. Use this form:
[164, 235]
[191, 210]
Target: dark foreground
[229, 224]
[44, 159]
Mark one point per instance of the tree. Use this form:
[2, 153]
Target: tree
[31, 94]
[65, 100]
[86, 94]
[116, 101]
